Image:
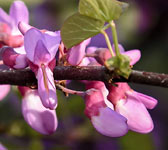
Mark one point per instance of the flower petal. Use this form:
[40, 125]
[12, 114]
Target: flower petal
[121, 48]
[46, 88]
[36, 115]
[24, 27]
[77, 53]
[19, 12]
[134, 55]
[41, 54]
[110, 123]
[133, 109]
[20, 50]
[8, 56]
[50, 41]
[21, 62]
[4, 91]
[148, 101]
[5, 18]
[31, 38]
[14, 40]
[53, 40]
[91, 50]
[85, 61]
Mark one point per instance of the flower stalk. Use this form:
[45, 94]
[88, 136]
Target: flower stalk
[115, 38]
[108, 42]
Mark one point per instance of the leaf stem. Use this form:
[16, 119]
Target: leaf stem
[108, 42]
[115, 38]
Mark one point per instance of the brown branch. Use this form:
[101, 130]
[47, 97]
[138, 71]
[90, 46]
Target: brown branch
[26, 77]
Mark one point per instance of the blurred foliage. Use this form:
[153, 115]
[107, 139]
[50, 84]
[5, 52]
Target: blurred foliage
[36, 144]
[6, 3]
[136, 141]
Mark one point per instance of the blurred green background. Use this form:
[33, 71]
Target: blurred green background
[144, 26]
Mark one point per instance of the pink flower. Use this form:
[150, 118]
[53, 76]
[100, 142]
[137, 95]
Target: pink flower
[133, 106]
[41, 49]
[4, 91]
[101, 112]
[103, 54]
[36, 115]
[124, 101]
[13, 59]
[9, 33]
[11, 36]
[130, 104]
[77, 53]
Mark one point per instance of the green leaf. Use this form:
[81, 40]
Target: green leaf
[78, 28]
[121, 64]
[105, 10]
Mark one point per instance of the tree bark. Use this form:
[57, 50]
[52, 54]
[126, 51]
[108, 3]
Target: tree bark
[26, 77]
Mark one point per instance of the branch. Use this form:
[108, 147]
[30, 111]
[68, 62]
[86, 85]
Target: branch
[26, 77]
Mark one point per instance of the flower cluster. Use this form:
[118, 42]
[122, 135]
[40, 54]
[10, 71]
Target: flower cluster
[37, 51]
[113, 110]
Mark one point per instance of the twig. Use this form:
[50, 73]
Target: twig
[26, 77]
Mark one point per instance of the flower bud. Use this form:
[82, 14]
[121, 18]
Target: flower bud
[77, 53]
[13, 59]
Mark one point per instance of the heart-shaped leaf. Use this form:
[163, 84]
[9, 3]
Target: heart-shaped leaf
[78, 28]
[105, 10]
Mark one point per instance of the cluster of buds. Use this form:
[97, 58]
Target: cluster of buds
[113, 110]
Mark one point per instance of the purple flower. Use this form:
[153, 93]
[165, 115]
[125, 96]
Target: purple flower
[18, 12]
[36, 115]
[10, 34]
[102, 114]
[132, 105]
[77, 53]
[24, 27]
[12, 59]
[122, 100]
[104, 54]
[41, 49]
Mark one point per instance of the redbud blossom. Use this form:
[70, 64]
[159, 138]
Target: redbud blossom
[36, 115]
[132, 105]
[41, 49]
[12, 59]
[104, 54]
[77, 53]
[124, 101]
[103, 117]
[9, 33]
[11, 36]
